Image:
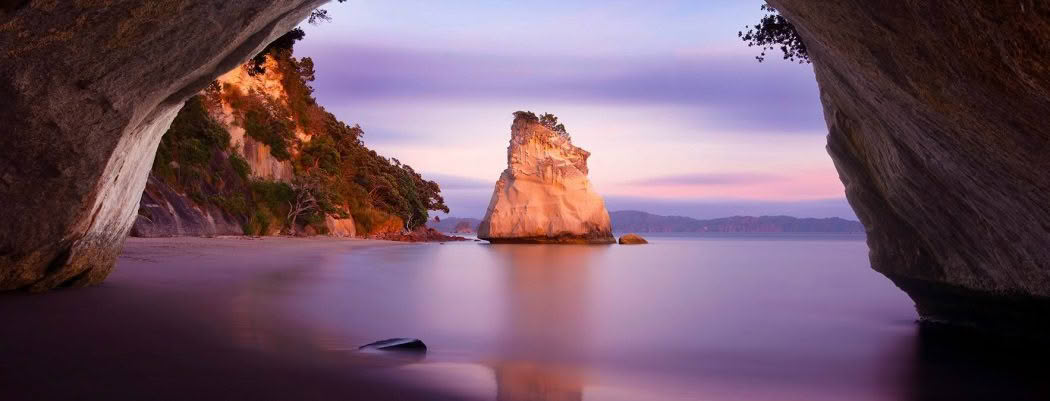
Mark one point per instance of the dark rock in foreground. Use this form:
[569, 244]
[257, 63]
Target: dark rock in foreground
[937, 118]
[396, 344]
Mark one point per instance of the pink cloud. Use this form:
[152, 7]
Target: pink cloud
[797, 185]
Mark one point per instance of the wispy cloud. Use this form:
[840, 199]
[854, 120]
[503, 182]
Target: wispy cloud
[731, 91]
[707, 179]
[454, 182]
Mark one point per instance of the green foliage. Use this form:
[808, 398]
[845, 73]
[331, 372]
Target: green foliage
[259, 221]
[257, 65]
[185, 152]
[334, 167]
[264, 119]
[234, 204]
[546, 119]
[296, 77]
[526, 115]
[772, 32]
[551, 122]
[240, 166]
[355, 178]
[271, 204]
[272, 193]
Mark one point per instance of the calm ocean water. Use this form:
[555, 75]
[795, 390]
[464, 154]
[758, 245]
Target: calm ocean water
[719, 317]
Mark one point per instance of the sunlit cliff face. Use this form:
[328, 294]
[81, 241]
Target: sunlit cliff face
[257, 154]
[544, 194]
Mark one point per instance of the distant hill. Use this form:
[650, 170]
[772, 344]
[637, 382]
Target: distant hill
[455, 225]
[642, 222]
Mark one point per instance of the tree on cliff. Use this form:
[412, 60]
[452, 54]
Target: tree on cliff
[772, 32]
[257, 65]
[546, 119]
[551, 122]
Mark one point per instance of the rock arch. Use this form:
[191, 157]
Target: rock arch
[937, 123]
[936, 114]
[87, 89]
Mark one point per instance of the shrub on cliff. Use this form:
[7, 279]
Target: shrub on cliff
[551, 122]
[263, 118]
[185, 153]
[526, 115]
[546, 119]
[774, 31]
[257, 65]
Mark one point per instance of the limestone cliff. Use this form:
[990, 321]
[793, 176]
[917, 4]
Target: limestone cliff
[258, 155]
[168, 210]
[256, 148]
[937, 118]
[544, 195]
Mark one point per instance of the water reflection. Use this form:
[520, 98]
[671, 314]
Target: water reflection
[547, 318]
[523, 381]
[688, 319]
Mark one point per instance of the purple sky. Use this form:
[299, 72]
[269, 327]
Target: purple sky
[679, 117]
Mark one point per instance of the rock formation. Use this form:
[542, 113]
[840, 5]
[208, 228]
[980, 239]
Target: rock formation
[166, 213]
[937, 118]
[86, 91]
[632, 239]
[455, 224]
[544, 195]
[464, 227]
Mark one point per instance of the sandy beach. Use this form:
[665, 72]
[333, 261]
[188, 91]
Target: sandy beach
[179, 319]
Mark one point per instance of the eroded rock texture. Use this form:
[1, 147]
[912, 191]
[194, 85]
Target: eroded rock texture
[544, 195]
[87, 88]
[938, 124]
[163, 212]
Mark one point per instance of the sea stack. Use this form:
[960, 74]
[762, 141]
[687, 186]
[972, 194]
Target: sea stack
[544, 195]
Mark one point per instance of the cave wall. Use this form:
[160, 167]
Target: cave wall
[87, 88]
[937, 115]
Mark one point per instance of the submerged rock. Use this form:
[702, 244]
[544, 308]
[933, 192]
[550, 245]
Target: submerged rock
[544, 195]
[396, 344]
[632, 239]
[937, 124]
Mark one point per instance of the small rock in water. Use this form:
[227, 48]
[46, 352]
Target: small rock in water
[396, 344]
[632, 239]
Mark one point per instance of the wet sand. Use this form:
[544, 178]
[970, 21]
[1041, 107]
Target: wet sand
[177, 321]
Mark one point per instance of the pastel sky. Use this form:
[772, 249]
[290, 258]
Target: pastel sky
[679, 117]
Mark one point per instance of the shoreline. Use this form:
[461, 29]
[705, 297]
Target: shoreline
[186, 318]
